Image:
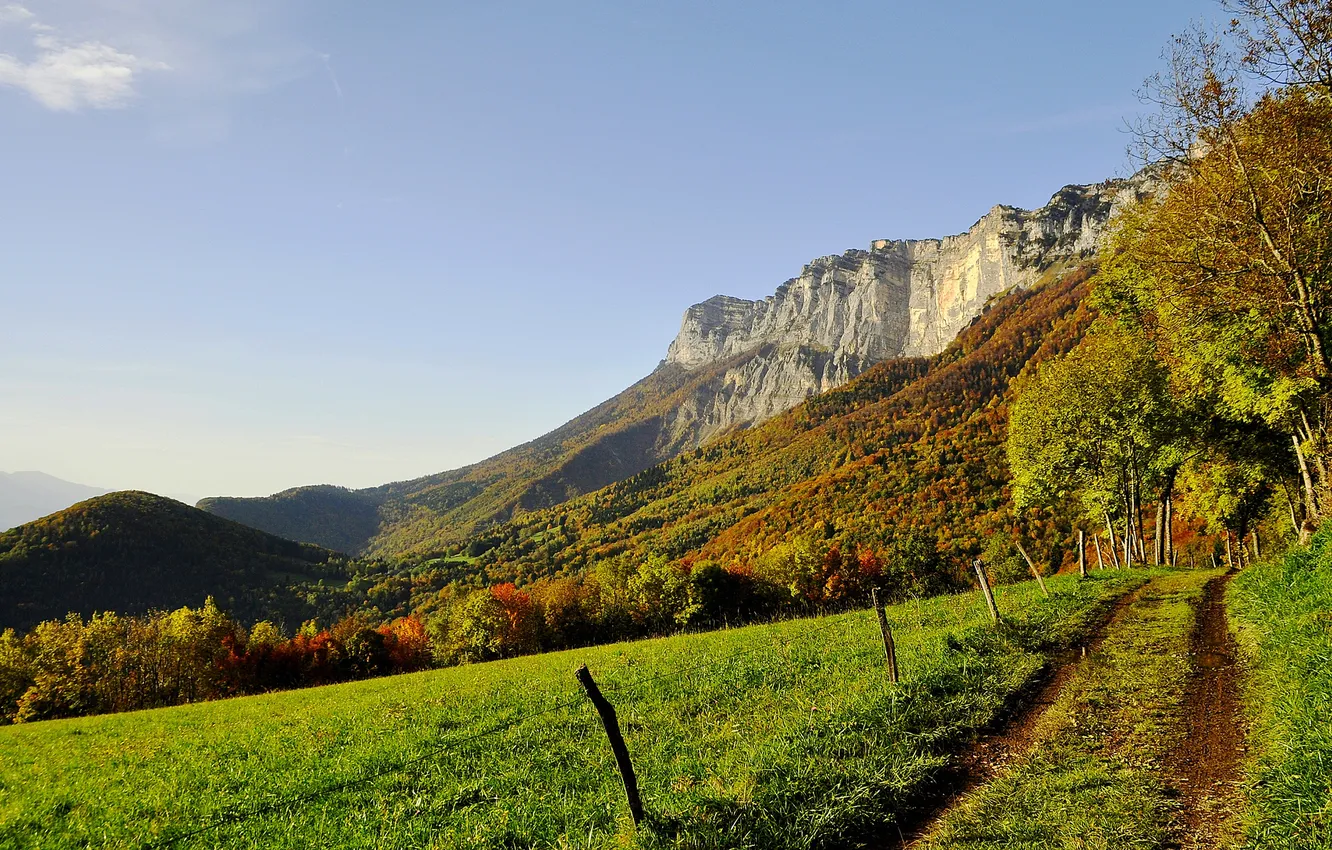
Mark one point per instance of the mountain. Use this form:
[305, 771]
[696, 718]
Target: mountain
[734, 364]
[130, 552]
[907, 454]
[25, 496]
[911, 445]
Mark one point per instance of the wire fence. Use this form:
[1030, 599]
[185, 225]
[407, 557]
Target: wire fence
[957, 609]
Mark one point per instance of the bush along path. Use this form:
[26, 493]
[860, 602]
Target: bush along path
[1096, 772]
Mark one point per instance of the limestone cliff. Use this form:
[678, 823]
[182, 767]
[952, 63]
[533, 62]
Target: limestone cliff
[901, 298]
[734, 363]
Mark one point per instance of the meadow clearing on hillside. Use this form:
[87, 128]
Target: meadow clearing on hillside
[781, 735]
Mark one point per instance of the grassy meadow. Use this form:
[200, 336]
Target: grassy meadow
[1282, 610]
[784, 735]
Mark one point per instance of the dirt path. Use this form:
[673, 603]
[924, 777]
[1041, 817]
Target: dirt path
[1015, 735]
[1205, 765]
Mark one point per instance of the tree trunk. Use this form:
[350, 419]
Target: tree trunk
[1230, 561]
[1311, 503]
[1140, 531]
[1318, 445]
[1170, 528]
[1158, 536]
[1295, 525]
[1100, 561]
[1128, 528]
[1110, 538]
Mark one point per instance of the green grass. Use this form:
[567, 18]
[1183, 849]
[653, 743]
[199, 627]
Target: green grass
[1093, 778]
[786, 735]
[1282, 610]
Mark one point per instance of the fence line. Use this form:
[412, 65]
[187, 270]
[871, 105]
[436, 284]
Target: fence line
[433, 751]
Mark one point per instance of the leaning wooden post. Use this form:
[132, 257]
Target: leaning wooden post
[1100, 561]
[1082, 553]
[1110, 538]
[1034, 571]
[1230, 562]
[889, 647]
[985, 589]
[607, 712]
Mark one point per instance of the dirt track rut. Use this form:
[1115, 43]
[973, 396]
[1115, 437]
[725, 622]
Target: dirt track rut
[1204, 767]
[1013, 738]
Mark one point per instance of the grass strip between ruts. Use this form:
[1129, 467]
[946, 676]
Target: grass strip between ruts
[1093, 779]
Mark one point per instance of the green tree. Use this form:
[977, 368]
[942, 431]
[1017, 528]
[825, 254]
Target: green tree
[1100, 426]
[1227, 266]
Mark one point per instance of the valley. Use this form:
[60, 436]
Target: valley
[1016, 538]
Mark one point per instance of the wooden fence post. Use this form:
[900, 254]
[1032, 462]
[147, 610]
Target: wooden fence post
[889, 647]
[985, 589]
[1034, 571]
[1082, 553]
[608, 719]
[1100, 561]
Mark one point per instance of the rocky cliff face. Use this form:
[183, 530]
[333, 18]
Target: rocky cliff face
[901, 298]
[734, 363]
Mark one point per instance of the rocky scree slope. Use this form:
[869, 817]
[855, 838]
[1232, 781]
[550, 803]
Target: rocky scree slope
[735, 363]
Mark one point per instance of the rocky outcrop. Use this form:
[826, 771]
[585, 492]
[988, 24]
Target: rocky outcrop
[901, 298]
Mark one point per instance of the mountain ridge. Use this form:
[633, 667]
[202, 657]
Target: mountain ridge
[734, 363]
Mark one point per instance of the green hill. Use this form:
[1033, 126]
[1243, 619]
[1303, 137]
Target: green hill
[130, 552]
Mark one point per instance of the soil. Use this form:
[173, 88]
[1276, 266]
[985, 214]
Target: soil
[1012, 738]
[1204, 766]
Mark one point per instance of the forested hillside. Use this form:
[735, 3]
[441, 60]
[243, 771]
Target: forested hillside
[890, 482]
[910, 446]
[614, 440]
[131, 552]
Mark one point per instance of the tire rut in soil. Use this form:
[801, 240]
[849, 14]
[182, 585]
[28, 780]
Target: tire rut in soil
[1014, 736]
[1203, 768]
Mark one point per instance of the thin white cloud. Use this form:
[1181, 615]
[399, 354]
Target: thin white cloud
[66, 75]
[13, 13]
[333, 78]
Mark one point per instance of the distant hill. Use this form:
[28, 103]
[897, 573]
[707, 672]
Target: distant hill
[26, 496]
[613, 441]
[129, 552]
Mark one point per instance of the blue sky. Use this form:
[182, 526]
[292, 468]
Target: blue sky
[262, 243]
